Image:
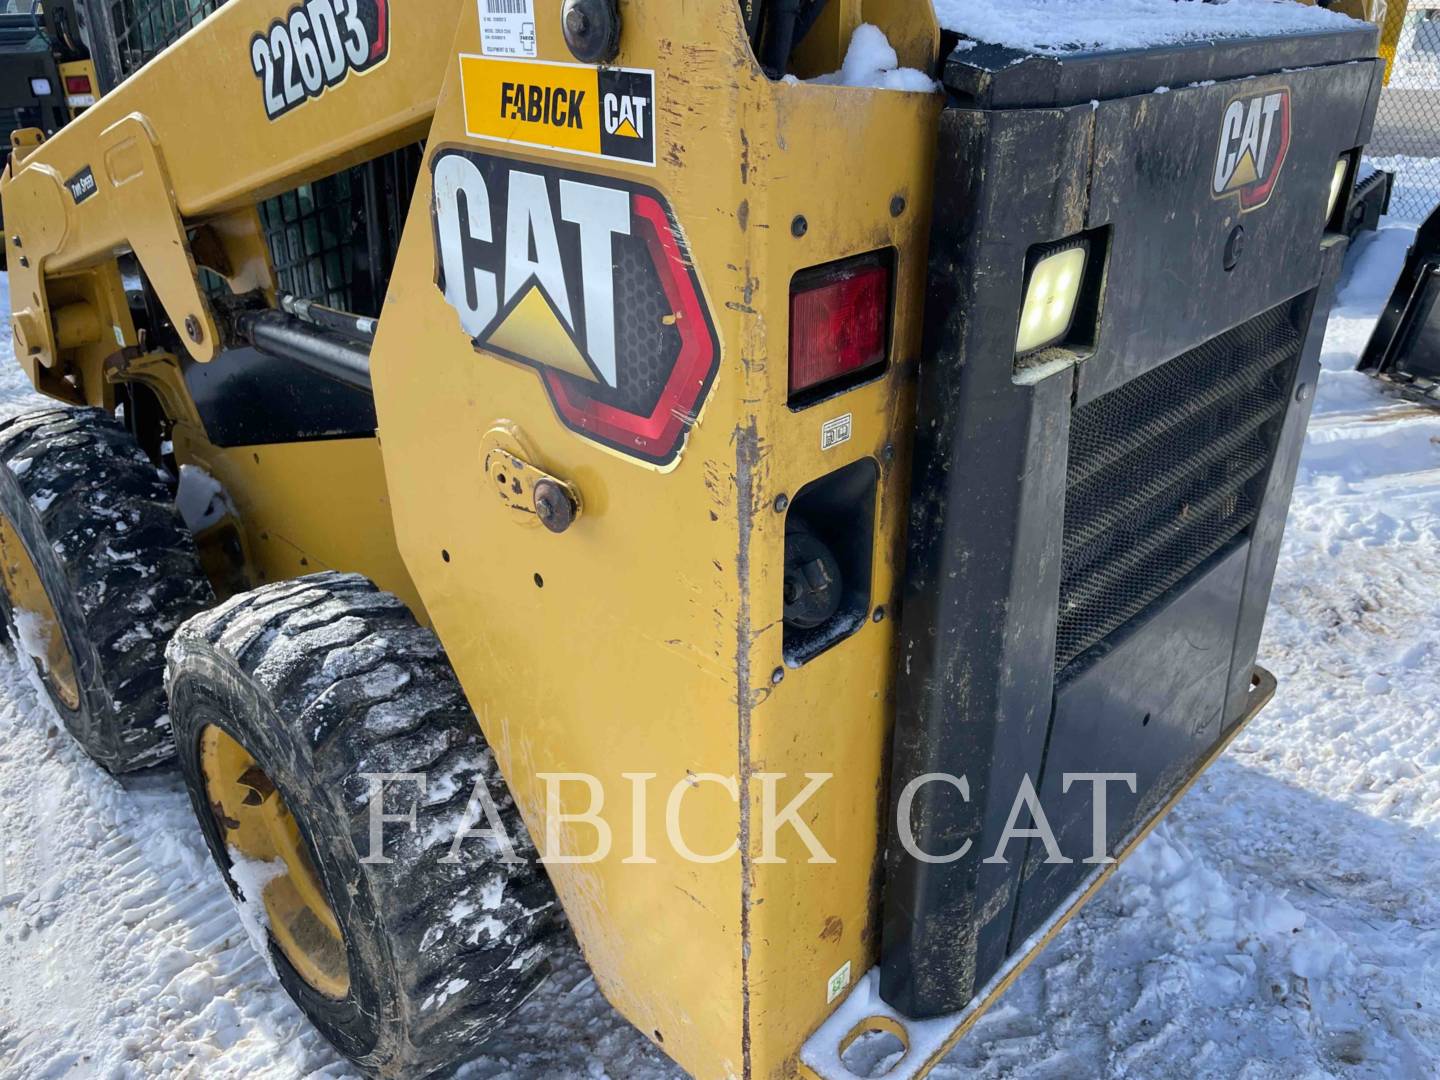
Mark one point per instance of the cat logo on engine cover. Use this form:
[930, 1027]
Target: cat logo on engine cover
[1254, 139]
[586, 279]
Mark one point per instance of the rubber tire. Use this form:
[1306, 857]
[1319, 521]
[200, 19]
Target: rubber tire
[118, 565]
[322, 679]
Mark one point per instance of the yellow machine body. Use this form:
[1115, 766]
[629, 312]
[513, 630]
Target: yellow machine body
[645, 641]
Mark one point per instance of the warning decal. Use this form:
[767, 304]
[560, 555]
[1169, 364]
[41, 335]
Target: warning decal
[575, 108]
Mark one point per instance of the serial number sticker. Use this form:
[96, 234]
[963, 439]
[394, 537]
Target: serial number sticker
[507, 27]
[837, 431]
[838, 982]
[575, 108]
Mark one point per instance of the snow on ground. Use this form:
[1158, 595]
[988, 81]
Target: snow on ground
[1417, 180]
[1284, 922]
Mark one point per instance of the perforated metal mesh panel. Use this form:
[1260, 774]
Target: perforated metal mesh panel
[144, 28]
[648, 342]
[332, 241]
[313, 233]
[1167, 472]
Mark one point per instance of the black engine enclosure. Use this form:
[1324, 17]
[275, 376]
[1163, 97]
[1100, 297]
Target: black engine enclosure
[1094, 528]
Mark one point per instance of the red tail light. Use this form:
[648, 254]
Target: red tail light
[839, 326]
[77, 84]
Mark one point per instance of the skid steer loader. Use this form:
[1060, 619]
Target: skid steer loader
[830, 525]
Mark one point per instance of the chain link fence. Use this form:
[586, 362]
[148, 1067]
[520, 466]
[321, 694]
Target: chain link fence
[1407, 128]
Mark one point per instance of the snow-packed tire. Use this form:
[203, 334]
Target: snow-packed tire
[323, 680]
[94, 520]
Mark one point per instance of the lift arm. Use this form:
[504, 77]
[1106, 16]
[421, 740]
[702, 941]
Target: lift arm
[105, 184]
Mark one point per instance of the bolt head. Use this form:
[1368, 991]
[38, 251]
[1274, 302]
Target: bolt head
[1234, 247]
[782, 503]
[553, 506]
[193, 330]
[799, 227]
[897, 206]
[592, 30]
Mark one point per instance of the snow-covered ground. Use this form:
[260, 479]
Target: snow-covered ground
[1284, 923]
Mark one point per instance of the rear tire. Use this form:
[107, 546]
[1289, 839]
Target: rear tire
[321, 680]
[97, 560]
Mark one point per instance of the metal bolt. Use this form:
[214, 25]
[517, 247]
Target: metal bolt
[799, 227]
[16, 240]
[1303, 391]
[192, 329]
[24, 261]
[1234, 247]
[777, 676]
[887, 453]
[879, 615]
[592, 29]
[553, 506]
[897, 206]
[782, 503]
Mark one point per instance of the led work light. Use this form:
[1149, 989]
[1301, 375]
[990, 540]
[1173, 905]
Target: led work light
[1337, 185]
[1051, 296]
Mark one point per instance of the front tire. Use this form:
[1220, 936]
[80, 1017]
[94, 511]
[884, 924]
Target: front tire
[284, 699]
[97, 570]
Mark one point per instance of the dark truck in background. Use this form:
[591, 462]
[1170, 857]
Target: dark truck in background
[46, 74]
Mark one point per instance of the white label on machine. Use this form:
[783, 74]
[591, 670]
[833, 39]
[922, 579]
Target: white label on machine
[507, 27]
[837, 431]
[838, 982]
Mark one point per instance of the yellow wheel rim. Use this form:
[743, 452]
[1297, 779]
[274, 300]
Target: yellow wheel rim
[34, 617]
[254, 820]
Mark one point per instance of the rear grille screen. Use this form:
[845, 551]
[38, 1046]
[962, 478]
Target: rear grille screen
[1167, 472]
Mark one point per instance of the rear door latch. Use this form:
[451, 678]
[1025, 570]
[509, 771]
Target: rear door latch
[529, 491]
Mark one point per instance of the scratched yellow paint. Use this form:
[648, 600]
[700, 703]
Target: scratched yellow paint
[653, 644]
